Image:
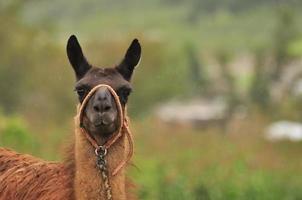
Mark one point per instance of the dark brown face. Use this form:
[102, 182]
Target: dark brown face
[100, 117]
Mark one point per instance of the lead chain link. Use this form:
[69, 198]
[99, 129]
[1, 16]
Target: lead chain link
[102, 165]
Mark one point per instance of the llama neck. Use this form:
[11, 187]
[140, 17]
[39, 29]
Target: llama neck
[88, 181]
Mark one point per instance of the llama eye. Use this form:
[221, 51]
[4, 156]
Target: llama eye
[123, 94]
[81, 92]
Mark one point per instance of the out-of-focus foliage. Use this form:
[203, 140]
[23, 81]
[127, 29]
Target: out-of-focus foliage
[32, 68]
[12, 56]
[177, 163]
[170, 45]
[259, 91]
[16, 135]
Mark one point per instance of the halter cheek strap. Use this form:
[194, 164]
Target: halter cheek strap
[123, 127]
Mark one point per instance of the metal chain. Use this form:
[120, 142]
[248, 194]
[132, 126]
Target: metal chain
[102, 165]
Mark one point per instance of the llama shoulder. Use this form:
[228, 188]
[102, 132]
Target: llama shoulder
[25, 177]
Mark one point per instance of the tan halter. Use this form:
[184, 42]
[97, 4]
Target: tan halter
[123, 127]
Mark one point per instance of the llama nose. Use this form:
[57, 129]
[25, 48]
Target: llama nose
[102, 103]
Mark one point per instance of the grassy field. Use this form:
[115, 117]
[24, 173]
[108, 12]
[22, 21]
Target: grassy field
[182, 162]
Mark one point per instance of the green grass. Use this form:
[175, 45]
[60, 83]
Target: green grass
[185, 163]
[182, 162]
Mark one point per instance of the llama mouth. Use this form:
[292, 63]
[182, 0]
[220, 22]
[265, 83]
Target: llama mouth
[105, 128]
[103, 123]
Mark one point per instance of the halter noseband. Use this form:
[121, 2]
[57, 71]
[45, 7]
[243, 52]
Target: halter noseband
[123, 127]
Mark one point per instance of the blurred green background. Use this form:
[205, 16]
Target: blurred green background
[247, 54]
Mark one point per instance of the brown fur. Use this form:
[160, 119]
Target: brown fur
[24, 177]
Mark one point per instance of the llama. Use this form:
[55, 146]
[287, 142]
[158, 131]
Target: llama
[103, 95]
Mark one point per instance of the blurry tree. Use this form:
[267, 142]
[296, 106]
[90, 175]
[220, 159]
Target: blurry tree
[233, 100]
[197, 73]
[164, 74]
[31, 70]
[260, 85]
[285, 34]
[195, 11]
[198, 7]
[15, 52]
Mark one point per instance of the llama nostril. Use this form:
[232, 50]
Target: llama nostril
[107, 108]
[96, 108]
[101, 108]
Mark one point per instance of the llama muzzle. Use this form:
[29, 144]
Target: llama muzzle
[122, 129]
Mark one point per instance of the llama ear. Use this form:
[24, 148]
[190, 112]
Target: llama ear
[131, 59]
[76, 57]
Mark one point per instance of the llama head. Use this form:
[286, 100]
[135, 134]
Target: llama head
[100, 117]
